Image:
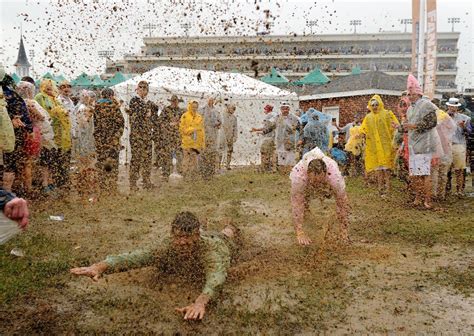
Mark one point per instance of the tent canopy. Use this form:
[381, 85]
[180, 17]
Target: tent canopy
[15, 77]
[82, 80]
[315, 77]
[115, 79]
[275, 78]
[202, 83]
[60, 78]
[97, 82]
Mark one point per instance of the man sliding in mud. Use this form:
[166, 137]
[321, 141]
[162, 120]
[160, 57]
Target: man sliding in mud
[317, 175]
[189, 251]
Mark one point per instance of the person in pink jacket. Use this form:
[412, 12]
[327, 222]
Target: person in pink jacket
[317, 175]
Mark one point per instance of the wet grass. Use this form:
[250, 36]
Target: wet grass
[44, 262]
[459, 280]
[276, 286]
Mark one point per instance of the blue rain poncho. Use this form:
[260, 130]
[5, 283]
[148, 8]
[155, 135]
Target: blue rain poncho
[315, 133]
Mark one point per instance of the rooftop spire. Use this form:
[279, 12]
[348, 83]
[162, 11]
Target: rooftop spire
[22, 60]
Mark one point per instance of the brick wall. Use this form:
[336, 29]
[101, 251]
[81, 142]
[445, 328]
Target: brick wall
[349, 106]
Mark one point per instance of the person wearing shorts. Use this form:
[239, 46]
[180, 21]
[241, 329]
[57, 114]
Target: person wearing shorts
[420, 124]
[463, 129]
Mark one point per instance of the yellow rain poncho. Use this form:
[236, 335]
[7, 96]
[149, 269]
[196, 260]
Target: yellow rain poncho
[59, 117]
[379, 132]
[191, 129]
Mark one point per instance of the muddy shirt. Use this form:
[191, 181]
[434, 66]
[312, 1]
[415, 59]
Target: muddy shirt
[140, 111]
[167, 125]
[215, 257]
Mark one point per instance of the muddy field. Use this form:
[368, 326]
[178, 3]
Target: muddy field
[406, 271]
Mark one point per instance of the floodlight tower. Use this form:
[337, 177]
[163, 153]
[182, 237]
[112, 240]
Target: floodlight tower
[150, 27]
[186, 27]
[311, 24]
[406, 22]
[355, 23]
[453, 21]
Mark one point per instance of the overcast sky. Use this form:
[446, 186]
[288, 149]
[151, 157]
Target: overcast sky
[66, 35]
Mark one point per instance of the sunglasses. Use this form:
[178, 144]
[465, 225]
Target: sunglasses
[142, 87]
[65, 86]
[402, 104]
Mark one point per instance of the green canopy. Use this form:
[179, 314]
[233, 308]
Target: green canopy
[274, 78]
[15, 77]
[97, 82]
[82, 81]
[115, 79]
[48, 76]
[60, 79]
[356, 70]
[315, 77]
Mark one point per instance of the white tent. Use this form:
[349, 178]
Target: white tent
[248, 94]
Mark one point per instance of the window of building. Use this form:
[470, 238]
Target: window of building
[332, 111]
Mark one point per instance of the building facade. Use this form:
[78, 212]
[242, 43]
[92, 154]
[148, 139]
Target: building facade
[293, 56]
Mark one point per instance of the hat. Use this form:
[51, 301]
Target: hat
[268, 107]
[413, 86]
[175, 98]
[453, 102]
[284, 105]
[64, 83]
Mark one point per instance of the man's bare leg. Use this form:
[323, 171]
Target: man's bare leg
[8, 179]
[386, 176]
[459, 181]
[416, 188]
[427, 191]
[28, 175]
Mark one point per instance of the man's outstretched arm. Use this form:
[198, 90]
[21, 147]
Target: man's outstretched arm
[117, 263]
[298, 204]
[216, 262]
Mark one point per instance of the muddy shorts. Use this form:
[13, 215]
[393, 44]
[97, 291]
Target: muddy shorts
[419, 164]
[459, 156]
[268, 147]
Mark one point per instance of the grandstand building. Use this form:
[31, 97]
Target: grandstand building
[293, 56]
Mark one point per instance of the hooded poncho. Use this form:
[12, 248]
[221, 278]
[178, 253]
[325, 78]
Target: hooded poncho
[191, 129]
[379, 132]
[315, 133]
[27, 91]
[59, 117]
[85, 145]
[423, 139]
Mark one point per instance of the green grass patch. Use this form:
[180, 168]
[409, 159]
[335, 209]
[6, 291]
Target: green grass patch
[44, 260]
